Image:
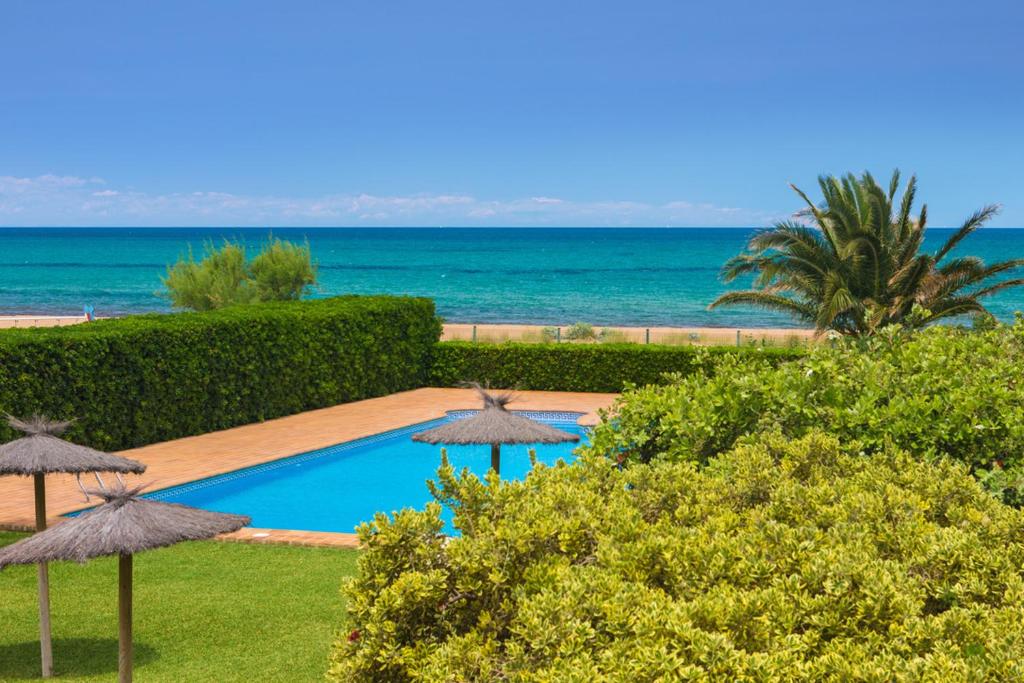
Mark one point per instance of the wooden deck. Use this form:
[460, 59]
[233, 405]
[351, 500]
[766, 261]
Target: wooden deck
[195, 457]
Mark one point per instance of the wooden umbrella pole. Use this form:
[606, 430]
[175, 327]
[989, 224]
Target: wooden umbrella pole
[45, 642]
[124, 610]
[496, 458]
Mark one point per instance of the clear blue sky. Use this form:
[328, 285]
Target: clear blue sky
[499, 113]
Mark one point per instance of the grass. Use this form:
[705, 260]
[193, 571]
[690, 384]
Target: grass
[206, 611]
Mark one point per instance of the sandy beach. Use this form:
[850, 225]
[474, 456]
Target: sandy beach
[29, 320]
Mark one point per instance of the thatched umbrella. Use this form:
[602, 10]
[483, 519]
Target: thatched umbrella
[494, 425]
[123, 525]
[35, 455]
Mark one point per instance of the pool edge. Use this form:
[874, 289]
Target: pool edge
[326, 539]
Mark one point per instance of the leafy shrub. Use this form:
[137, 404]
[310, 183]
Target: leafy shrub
[581, 332]
[549, 334]
[983, 322]
[608, 335]
[582, 367]
[282, 271]
[943, 391]
[141, 379]
[780, 561]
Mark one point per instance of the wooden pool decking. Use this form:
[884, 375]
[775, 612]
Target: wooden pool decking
[171, 463]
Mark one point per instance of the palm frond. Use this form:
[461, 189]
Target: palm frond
[767, 300]
[977, 219]
[953, 306]
[998, 287]
[894, 184]
[906, 206]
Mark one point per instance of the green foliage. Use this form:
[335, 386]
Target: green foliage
[141, 379]
[982, 322]
[199, 607]
[941, 391]
[219, 280]
[581, 367]
[861, 268]
[780, 561]
[282, 271]
[581, 332]
[609, 335]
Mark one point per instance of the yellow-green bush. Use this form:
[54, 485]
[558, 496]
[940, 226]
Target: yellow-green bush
[940, 392]
[778, 561]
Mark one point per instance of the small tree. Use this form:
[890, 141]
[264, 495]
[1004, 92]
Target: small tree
[282, 271]
[581, 332]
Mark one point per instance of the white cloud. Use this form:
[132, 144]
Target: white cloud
[73, 201]
[678, 205]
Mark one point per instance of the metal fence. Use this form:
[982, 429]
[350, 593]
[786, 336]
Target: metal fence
[582, 333]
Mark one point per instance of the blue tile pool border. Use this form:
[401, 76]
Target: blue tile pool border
[548, 416]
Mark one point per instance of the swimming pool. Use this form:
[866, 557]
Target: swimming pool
[336, 488]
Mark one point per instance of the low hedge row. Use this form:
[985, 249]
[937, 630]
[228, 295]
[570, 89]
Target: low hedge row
[580, 367]
[142, 379]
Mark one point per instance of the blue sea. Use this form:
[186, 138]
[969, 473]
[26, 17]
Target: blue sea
[605, 276]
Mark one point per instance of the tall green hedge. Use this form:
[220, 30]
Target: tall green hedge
[142, 379]
[579, 367]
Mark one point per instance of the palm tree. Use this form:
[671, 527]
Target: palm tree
[860, 267]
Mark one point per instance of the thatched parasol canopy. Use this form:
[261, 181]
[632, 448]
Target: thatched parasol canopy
[494, 425]
[42, 452]
[123, 525]
[37, 454]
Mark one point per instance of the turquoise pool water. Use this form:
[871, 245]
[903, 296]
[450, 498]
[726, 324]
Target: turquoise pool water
[336, 488]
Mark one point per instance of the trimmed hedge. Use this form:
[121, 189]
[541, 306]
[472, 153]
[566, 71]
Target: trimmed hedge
[580, 367]
[780, 561]
[142, 379]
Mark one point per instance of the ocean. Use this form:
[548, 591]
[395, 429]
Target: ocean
[604, 276]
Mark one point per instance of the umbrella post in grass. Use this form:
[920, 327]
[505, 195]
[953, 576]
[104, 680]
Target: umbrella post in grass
[123, 526]
[494, 425]
[41, 452]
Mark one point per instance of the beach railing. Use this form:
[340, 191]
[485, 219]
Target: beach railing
[581, 333]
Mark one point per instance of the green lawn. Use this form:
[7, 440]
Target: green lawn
[203, 612]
